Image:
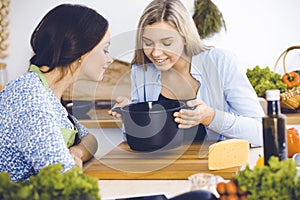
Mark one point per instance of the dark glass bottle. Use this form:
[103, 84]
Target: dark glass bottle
[274, 128]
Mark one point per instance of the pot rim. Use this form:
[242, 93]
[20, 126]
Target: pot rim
[181, 105]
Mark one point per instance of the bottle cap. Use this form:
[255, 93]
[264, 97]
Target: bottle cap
[273, 95]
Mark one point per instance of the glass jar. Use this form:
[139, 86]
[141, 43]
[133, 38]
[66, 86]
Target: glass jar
[3, 75]
[293, 141]
[205, 181]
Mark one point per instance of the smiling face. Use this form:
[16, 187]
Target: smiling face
[95, 62]
[163, 45]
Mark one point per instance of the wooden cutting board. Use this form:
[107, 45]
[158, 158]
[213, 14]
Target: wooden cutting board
[179, 163]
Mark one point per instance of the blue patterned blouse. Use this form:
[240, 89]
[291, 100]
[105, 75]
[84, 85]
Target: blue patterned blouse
[30, 121]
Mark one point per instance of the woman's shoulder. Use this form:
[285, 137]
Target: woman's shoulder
[26, 86]
[25, 80]
[218, 57]
[216, 53]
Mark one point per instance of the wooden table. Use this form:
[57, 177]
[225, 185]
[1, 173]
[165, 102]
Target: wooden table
[292, 118]
[176, 164]
[112, 189]
[99, 118]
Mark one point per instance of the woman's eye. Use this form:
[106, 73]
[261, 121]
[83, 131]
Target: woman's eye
[167, 43]
[147, 44]
[106, 51]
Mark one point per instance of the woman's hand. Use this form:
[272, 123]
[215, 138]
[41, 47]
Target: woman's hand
[202, 114]
[85, 150]
[120, 102]
[77, 154]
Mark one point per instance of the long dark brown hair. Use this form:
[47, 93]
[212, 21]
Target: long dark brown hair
[65, 34]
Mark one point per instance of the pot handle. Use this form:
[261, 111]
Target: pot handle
[117, 110]
[188, 108]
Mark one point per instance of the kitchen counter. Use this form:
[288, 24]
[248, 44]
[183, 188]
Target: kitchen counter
[99, 118]
[172, 164]
[293, 118]
[111, 189]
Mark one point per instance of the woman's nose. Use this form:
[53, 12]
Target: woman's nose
[156, 52]
[109, 59]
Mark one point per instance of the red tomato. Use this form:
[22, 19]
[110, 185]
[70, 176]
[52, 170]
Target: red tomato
[293, 142]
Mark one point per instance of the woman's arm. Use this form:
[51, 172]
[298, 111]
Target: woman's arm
[230, 106]
[85, 150]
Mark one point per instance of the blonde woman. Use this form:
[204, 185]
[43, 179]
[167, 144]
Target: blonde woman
[171, 63]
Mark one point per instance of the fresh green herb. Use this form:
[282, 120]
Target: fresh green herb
[50, 184]
[263, 79]
[274, 182]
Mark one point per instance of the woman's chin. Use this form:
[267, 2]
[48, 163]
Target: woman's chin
[163, 67]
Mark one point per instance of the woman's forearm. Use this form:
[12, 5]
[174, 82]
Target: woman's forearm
[86, 148]
[234, 126]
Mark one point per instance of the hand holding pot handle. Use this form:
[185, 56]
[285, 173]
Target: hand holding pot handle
[120, 102]
[199, 114]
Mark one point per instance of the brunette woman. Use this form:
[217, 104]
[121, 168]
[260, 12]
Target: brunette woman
[35, 128]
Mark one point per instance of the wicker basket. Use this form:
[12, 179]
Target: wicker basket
[290, 100]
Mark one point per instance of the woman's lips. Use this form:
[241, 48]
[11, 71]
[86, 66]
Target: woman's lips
[160, 61]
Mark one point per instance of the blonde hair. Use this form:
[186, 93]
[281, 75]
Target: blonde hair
[175, 14]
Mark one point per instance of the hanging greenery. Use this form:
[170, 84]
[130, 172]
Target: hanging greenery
[208, 19]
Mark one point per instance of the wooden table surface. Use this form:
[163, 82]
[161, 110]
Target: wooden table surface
[99, 118]
[122, 163]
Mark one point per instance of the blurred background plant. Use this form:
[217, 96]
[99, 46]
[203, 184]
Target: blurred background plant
[208, 18]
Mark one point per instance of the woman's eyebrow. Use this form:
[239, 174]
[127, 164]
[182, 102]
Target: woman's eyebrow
[166, 38]
[106, 44]
[145, 38]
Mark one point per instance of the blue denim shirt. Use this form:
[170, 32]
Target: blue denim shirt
[222, 86]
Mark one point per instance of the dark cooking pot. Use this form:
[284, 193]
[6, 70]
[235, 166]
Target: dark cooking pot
[150, 125]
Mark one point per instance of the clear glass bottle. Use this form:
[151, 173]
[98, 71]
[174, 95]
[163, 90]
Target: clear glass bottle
[3, 75]
[274, 128]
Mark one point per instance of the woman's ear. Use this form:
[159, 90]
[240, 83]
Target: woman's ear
[83, 57]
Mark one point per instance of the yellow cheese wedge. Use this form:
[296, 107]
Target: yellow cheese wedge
[228, 153]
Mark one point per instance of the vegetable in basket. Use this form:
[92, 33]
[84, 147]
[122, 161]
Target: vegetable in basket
[263, 79]
[291, 79]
